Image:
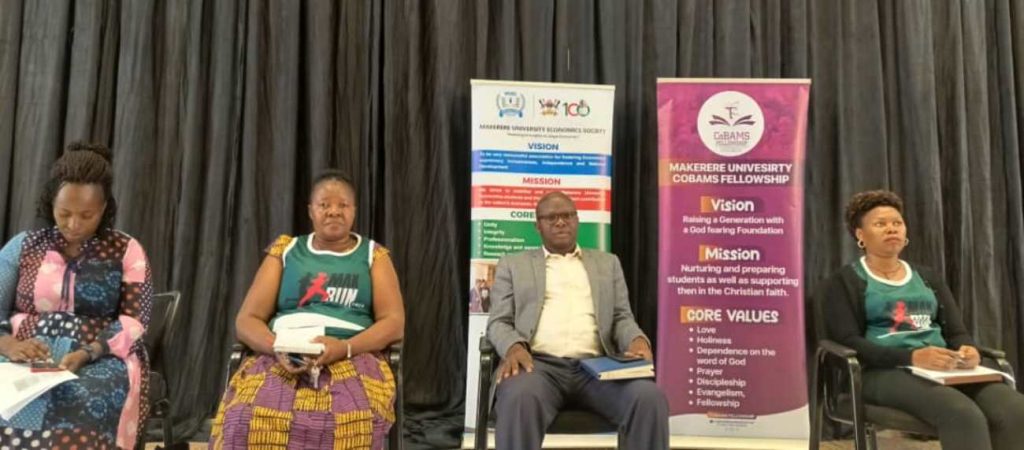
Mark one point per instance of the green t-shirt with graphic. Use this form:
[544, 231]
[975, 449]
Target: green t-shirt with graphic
[900, 313]
[336, 285]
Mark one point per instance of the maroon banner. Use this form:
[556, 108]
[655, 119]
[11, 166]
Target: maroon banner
[731, 320]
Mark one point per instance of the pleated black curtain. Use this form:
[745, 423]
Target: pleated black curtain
[220, 112]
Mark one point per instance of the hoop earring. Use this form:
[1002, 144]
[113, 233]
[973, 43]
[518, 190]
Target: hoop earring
[860, 244]
[906, 242]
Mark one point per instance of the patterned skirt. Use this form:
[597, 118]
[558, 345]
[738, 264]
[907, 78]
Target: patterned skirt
[103, 408]
[264, 406]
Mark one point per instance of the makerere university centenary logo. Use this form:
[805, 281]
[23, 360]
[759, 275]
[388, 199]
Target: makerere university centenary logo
[730, 123]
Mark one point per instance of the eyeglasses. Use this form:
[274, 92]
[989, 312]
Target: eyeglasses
[553, 218]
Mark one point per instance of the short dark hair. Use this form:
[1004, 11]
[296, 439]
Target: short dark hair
[550, 195]
[863, 202]
[331, 175]
[81, 163]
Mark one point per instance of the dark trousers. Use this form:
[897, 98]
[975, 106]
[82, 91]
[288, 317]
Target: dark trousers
[527, 403]
[976, 416]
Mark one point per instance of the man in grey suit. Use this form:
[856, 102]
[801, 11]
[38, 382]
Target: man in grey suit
[552, 307]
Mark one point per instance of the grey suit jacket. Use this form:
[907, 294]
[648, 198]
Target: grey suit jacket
[517, 298]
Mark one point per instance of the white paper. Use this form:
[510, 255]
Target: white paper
[297, 340]
[625, 374]
[20, 386]
[302, 320]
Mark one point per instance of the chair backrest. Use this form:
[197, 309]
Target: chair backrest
[164, 312]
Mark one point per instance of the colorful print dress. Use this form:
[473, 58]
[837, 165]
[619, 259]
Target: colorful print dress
[103, 295]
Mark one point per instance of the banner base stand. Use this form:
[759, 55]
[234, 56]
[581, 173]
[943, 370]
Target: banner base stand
[676, 442]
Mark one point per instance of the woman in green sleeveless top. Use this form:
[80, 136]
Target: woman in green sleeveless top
[343, 398]
[894, 315]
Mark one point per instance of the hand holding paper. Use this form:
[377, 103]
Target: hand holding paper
[27, 350]
[934, 358]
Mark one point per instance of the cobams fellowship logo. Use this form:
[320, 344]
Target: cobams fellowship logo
[730, 123]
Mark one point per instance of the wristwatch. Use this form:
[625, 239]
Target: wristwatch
[89, 350]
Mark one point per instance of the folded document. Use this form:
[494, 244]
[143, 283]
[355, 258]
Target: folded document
[297, 340]
[20, 386]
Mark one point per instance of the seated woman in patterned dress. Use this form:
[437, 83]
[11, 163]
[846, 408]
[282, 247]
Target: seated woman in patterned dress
[344, 282]
[77, 292]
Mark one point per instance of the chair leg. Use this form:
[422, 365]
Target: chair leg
[166, 429]
[860, 433]
[480, 437]
[816, 424]
[872, 438]
[396, 435]
[140, 440]
[161, 409]
[483, 412]
[817, 408]
[394, 440]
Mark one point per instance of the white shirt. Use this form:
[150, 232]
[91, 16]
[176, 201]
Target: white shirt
[568, 322]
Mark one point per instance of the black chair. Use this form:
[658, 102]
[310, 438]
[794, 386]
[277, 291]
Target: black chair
[394, 354]
[838, 396]
[568, 421]
[164, 315]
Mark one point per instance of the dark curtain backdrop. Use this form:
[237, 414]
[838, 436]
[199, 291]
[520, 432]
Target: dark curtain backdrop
[219, 112]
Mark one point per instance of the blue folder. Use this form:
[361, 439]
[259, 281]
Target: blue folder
[605, 368]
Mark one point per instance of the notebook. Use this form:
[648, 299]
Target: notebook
[979, 374]
[605, 368]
